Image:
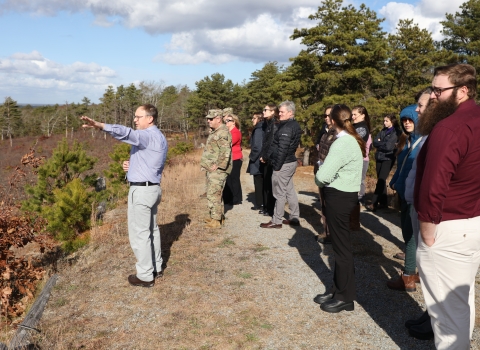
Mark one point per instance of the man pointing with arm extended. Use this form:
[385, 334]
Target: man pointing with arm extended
[144, 173]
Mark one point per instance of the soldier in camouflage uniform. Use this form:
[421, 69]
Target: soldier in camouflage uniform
[217, 162]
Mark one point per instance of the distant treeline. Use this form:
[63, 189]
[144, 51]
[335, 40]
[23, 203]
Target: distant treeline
[348, 58]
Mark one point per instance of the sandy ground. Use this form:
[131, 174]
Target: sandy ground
[239, 287]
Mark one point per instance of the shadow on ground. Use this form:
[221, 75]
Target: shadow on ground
[171, 232]
[387, 308]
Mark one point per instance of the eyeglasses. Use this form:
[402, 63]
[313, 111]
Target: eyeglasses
[438, 91]
[228, 120]
[139, 116]
[327, 115]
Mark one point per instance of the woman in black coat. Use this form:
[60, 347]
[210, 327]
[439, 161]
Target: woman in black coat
[385, 143]
[255, 167]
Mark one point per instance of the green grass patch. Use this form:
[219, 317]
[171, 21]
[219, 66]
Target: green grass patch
[260, 248]
[226, 243]
[245, 275]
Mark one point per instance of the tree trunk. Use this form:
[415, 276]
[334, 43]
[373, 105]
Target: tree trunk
[306, 156]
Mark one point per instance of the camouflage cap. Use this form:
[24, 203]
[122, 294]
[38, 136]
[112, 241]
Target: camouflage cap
[227, 111]
[214, 113]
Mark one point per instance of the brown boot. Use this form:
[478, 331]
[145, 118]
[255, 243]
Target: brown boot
[355, 218]
[207, 220]
[417, 278]
[403, 283]
[214, 224]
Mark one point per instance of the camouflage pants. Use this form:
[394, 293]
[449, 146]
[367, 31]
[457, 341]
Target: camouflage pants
[215, 185]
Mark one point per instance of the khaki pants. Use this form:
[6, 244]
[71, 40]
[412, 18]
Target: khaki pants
[215, 185]
[143, 231]
[447, 272]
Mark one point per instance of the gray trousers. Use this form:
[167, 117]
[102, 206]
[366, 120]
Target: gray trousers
[284, 191]
[364, 175]
[143, 231]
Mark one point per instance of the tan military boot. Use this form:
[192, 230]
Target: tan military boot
[214, 224]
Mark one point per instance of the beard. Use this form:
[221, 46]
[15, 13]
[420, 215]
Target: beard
[435, 112]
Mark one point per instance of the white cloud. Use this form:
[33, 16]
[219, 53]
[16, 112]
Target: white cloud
[216, 31]
[202, 30]
[427, 14]
[32, 71]
[262, 39]
[34, 65]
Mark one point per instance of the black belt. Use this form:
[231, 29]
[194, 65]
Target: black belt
[146, 183]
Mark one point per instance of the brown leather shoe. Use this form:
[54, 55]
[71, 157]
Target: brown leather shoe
[403, 283]
[293, 222]
[270, 225]
[134, 281]
[416, 277]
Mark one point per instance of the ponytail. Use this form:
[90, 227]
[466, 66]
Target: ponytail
[342, 116]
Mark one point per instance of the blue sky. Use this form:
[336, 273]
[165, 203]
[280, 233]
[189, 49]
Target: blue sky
[55, 50]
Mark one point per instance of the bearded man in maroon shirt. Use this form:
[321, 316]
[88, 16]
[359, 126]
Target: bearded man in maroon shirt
[447, 198]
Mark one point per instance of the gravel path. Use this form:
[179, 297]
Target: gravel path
[293, 268]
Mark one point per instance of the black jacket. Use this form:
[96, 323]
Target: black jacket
[285, 143]
[255, 167]
[323, 130]
[385, 145]
[362, 130]
[269, 127]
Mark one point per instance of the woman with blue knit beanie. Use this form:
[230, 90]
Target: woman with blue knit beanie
[407, 151]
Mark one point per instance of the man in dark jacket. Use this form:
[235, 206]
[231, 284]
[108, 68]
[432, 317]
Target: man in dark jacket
[284, 163]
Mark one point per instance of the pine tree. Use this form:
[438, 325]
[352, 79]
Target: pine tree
[261, 89]
[66, 164]
[10, 119]
[462, 33]
[70, 213]
[344, 62]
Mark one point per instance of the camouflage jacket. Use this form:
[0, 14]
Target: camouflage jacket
[218, 150]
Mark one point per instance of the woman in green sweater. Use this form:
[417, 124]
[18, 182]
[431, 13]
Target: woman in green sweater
[341, 176]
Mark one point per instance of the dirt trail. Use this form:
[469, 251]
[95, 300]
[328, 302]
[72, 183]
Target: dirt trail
[240, 287]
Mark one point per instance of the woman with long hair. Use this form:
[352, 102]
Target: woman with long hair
[385, 143]
[361, 123]
[340, 176]
[270, 120]
[407, 150]
[255, 167]
[233, 188]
